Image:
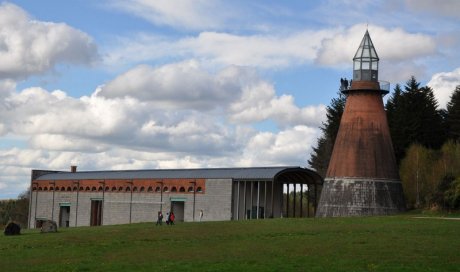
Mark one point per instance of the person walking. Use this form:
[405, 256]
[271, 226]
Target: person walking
[160, 218]
[201, 215]
[171, 218]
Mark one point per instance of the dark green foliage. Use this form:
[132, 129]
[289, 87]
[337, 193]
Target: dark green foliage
[16, 210]
[443, 186]
[453, 115]
[413, 117]
[321, 154]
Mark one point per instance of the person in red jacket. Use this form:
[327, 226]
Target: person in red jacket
[171, 218]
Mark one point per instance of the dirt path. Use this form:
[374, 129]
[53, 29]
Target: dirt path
[431, 217]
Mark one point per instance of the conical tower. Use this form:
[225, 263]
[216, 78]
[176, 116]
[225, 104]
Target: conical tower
[362, 177]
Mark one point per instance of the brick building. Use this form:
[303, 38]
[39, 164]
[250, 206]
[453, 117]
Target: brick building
[92, 198]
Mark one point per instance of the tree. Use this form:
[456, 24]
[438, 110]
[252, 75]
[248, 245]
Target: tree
[15, 210]
[413, 117]
[395, 116]
[453, 115]
[414, 172]
[321, 154]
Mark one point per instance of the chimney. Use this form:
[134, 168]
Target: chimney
[73, 168]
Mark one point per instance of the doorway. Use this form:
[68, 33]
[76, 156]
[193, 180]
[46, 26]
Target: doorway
[64, 216]
[177, 207]
[96, 213]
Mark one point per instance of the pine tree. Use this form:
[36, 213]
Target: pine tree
[395, 116]
[453, 115]
[413, 117]
[321, 154]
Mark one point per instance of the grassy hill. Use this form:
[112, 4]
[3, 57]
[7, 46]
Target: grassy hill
[396, 243]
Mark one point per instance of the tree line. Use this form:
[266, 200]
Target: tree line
[16, 210]
[425, 141]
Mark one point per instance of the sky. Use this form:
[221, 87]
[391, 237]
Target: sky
[139, 84]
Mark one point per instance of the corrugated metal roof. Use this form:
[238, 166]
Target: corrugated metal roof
[260, 173]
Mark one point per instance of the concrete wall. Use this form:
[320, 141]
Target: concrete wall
[215, 203]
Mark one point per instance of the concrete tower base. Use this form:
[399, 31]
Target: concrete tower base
[360, 197]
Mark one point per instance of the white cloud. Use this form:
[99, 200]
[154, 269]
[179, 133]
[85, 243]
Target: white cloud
[222, 49]
[188, 14]
[178, 85]
[392, 45]
[441, 8]
[443, 85]
[29, 47]
[289, 147]
[259, 102]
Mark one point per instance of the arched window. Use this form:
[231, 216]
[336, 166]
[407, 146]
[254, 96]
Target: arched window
[150, 189]
[75, 188]
[199, 189]
[69, 189]
[40, 188]
[174, 189]
[87, 188]
[142, 189]
[134, 189]
[81, 188]
[190, 189]
[34, 188]
[100, 189]
[165, 189]
[120, 189]
[107, 188]
[45, 188]
[182, 189]
[114, 188]
[128, 189]
[62, 188]
[157, 189]
[93, 188]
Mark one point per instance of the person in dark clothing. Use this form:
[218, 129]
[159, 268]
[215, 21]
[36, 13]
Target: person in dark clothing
[160, 218]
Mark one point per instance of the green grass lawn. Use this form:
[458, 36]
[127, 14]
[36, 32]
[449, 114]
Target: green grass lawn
[395, 243]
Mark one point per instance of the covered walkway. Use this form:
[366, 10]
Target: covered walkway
[278, 192]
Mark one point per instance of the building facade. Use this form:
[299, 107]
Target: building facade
[94, 198]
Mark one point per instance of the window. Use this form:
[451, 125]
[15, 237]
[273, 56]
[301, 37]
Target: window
[134, 189]
[174, 189]
[142, 189]
[165, 189]
[199, 190]
[150, 189]
[182, 189]
[114, 188]
[94, 188]
[157, 189]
